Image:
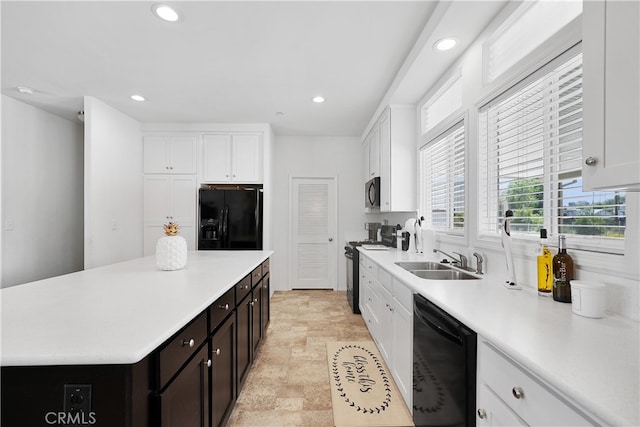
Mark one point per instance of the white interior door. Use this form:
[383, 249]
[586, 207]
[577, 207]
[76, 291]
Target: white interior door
[313, 248]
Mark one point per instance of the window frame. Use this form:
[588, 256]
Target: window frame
[587, 243]
[443, 129]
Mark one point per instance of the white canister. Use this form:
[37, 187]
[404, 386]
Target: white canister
[587, 298]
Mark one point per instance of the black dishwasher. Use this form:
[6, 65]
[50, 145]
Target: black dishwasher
[444, 368]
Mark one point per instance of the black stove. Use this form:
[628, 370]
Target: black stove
[353, 272]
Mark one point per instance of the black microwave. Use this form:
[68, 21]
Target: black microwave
[372, 193]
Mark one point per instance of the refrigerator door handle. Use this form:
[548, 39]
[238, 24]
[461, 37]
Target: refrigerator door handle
[225, 216]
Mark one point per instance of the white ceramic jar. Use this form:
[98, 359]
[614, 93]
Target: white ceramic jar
[587, 298]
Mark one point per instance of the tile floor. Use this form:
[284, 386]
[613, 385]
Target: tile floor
[288, 384]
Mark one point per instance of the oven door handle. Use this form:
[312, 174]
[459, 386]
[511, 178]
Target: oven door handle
[439, 329]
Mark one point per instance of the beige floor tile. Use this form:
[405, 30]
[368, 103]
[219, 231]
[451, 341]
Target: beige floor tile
[289, 381]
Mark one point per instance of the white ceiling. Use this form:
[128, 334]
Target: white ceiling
[233, 61]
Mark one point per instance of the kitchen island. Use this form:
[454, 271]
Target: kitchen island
[592, 365]
[113, 327]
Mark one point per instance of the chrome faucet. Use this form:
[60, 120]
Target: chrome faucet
[479, 261]
[455, 260]
[463, 260]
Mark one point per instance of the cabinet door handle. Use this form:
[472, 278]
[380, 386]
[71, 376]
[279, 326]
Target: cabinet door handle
[189, 343]
[517, 392]
[591, 161]
[482, 414]
[217, 352]
[208, 363]
[252, 303]
[224, 307]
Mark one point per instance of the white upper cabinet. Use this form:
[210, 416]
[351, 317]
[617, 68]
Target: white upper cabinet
[374, 153]
[170, 154]
[371, 154]
[397, 159]
[232, 158]
[169, 199]
[611, 141]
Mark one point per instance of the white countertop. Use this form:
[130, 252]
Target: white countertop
[594, 363]
[116, 314]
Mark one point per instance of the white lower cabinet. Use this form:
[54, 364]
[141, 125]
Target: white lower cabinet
[390, 322]
[402, 345]
[508, 395]
[494, 412]
[369, 295]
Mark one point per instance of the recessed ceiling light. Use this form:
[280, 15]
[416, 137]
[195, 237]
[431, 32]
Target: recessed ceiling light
[166, 12]
[445, 44]
[137, 98]
[318, 99]
[26, 90]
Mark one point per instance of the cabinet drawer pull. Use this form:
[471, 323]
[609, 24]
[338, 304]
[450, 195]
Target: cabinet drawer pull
[252, 303]
[189, 343]
[208, 363]
[482, 414]
[224, 307]
[217, 352]
[517, 392]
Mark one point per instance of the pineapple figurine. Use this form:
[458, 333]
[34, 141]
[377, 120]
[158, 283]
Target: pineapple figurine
[171, 249]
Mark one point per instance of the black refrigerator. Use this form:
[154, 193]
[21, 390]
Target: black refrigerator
[230, 217]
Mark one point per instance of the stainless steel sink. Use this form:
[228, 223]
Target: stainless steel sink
[422, 265]
[443, 274]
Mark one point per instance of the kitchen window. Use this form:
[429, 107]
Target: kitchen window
[442, 168]
[529, 26]
[531, 157]
[445, 102]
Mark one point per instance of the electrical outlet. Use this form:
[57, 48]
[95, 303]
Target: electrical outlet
[77, 398]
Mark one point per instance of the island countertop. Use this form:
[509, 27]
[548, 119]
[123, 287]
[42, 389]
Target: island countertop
[116, 314]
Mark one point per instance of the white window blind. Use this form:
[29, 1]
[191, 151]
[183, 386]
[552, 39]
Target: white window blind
[531, 156]
[533, 23]
[447, 100]
[443, 184]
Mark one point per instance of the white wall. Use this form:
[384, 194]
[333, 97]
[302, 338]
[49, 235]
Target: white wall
[42, 194]
[316, 157]
[113, 185]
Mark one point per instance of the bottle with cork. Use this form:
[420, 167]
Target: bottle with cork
[544, 260]
[562, 272]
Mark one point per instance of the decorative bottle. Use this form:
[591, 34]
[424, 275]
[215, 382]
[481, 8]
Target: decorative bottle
[562, 272]
[545, 273]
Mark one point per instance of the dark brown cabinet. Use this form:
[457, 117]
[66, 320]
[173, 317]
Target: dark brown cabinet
[223, 371]
[256, 319]
[244, 343]
[265, 314]
[185, 402]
